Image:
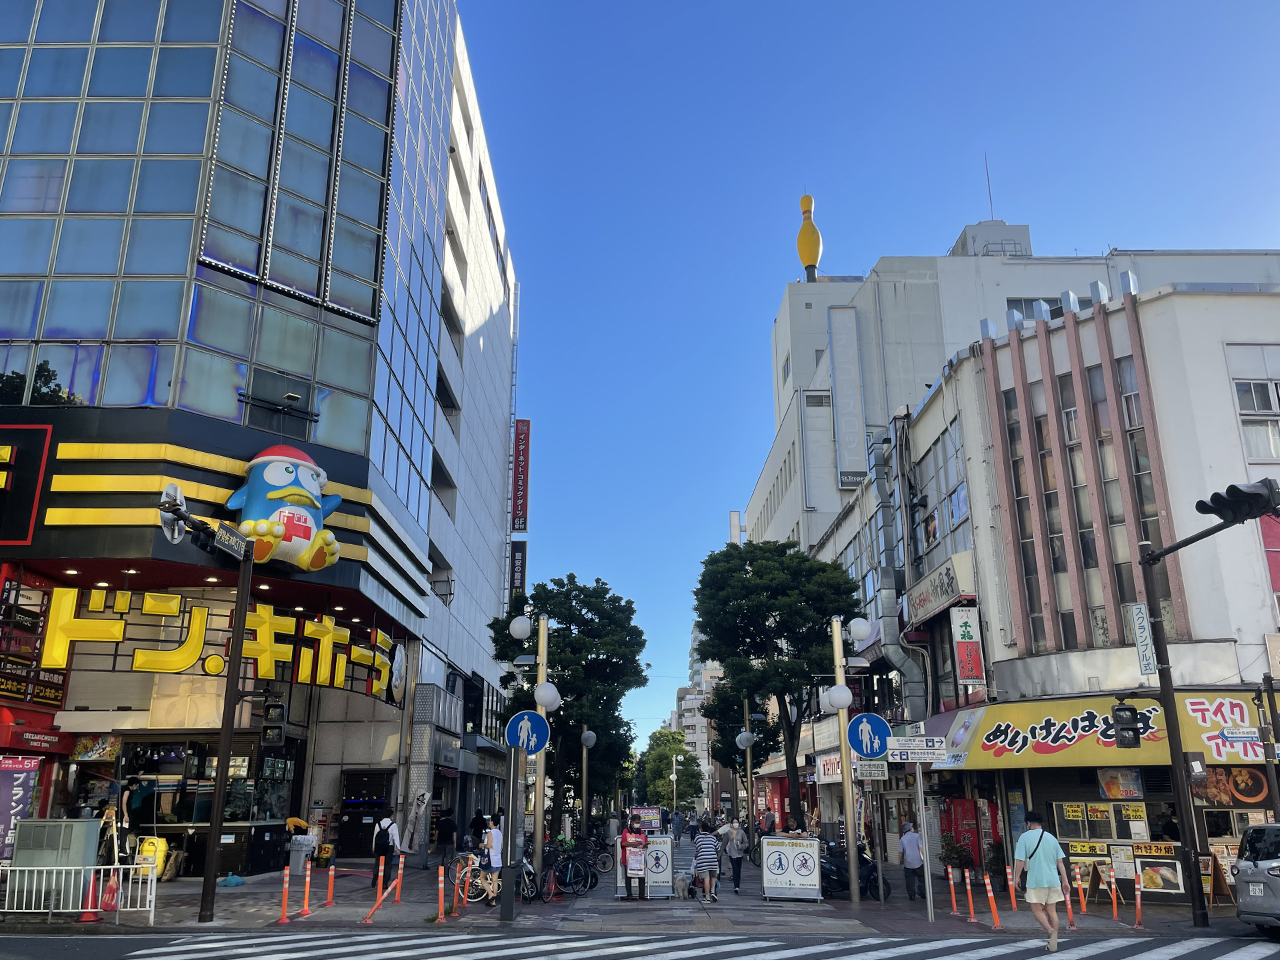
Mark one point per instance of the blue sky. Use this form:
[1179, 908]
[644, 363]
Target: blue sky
[650, 158]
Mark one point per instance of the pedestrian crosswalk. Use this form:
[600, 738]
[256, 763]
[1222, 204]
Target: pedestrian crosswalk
[405, 945]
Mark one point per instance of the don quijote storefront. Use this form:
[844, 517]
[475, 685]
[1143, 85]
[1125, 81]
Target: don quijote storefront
[1110, 807]
[113, 639]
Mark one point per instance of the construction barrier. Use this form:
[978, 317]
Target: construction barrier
[991, 899]
[332, 870]
[128, 888]
[968, 889]
[306, 890]
[1013, 900]
[951, 882]
[284, 900]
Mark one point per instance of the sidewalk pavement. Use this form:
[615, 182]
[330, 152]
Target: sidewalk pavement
[256, 906]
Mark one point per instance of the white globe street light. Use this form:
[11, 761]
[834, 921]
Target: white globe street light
[859, 629]
[840, 697]
[824, 703]
[745, 740]
[547, 696]
[672, 778]
[588, 739]
[520, 627]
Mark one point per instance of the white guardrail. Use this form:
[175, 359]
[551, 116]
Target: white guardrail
[51, 890]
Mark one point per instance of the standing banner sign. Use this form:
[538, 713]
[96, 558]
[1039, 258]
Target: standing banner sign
[520, 479]
[652, 861]
[790, 868]
[967, 636]
[17, 786]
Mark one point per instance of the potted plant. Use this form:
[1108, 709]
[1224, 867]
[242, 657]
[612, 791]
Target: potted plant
[996, 864]
[957, 856]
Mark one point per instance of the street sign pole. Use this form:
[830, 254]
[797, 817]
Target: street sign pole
[851, 824]
[924, 841]
[510, 876]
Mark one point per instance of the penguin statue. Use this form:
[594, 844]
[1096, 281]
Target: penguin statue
[281, 505]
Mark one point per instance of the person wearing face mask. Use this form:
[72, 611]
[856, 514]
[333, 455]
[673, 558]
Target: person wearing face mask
[736, 843]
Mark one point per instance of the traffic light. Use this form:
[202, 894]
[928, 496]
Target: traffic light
[273, 724]
[1128, 732]
[1243, 501]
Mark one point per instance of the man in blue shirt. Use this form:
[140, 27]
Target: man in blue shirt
[1040, 854]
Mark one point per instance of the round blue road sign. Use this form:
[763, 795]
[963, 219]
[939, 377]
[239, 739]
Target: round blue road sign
[528, 730]
[869, 736]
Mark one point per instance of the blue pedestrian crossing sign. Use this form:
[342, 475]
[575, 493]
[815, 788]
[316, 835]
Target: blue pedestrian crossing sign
[869, 736]
[528, 730]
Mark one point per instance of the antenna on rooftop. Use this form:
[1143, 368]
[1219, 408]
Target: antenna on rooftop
[990, 203]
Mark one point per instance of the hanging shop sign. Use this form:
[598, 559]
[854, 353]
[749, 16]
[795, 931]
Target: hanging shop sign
[316, 652]
[520, 479]
[1120, 783]
[828, 769]
[966, 635]
[281, 506]
[97, 746]
[24, 608]
[18, 777]
[948, 585]
[519, 563]
[1079, 732]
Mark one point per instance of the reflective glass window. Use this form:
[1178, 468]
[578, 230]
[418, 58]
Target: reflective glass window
[237, 200]
[314, 66]
[371, 45]
[359, 195]
[56, 72]
[176, 128]
[304, 171]
[272, 387]
[158, 246]
[129, 21]
[211, 384]
[14, 359]
[344, 421]
[368, 95]
[66, 21]
[71, 376]
[33, 186]
[45, 128]
[167, 186]
[384, 11]
[78, 309]
[352, 294]
[231, 248]
[355, 249]
[363, 143]
[298, 226]
[120, 72]
[294, 271]
[183, 71]
[309, 117]
[221, 320]
[19, 307]
[25, 244]
[149, 310]
[279, 8]
[100, 186]
[322, 19]
[89, 246]
[244, 143]
[107, 127]
[138, 375]
[15, 25]
[251, 88]
[344, 361]
[258, 36]
[192, 21]
[11, 70]
[286, 342]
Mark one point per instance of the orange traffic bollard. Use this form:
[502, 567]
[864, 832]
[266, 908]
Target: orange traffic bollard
[1115, 910]
[332, 869]
[1084, 907]
[951, 882]
[457, 887]
[1137, 902]
[991, 899]
[968, 889]
[1071, 917]
[1013, 900]
[440, 885]
[306, 891]
[399, 878]
[382, 862]
[284, 902]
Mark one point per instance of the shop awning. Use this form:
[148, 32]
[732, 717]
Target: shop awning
[1078, 732]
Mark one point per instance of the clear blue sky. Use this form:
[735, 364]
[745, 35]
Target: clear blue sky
[650, 158]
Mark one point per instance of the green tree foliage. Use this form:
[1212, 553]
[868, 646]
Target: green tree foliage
[764, 611]
[664, 745]
[593, 653]
[723, 709]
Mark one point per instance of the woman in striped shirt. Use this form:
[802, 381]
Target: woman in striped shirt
[706, 862]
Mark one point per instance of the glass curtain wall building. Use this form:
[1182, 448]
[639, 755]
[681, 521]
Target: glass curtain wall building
[229, 208]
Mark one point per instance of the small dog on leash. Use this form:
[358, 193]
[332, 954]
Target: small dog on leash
[681, 883]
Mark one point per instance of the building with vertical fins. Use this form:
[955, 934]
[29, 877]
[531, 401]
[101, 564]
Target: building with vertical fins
[254, 252]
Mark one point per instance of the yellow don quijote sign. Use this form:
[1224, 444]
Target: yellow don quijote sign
[320, 655]
[1080, 732]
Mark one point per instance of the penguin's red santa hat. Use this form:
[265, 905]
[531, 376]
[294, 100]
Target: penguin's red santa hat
[283, 453]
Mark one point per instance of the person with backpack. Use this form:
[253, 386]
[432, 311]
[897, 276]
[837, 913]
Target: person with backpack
[1040, 855]
[386, 844]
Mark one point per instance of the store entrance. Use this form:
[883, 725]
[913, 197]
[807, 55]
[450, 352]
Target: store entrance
[366, 799]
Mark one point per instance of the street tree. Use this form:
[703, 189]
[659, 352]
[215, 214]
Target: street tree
[764, 611]
[664, 746]
[724, 713]
[593, 654]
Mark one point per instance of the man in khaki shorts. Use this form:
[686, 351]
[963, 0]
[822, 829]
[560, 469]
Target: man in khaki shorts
[1040, 854]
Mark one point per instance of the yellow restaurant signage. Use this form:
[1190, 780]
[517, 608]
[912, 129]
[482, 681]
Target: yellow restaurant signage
[320, 657]
[1079, 732]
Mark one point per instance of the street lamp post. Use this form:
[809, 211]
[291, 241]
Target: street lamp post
[677, 759]
[745, 740]
[548, 698]
[588, 741]
[519, 628]
[841, 697]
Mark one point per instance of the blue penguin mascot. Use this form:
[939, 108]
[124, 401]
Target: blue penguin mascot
[281, 505]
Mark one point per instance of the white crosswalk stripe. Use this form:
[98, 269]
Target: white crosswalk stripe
[579, 946]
